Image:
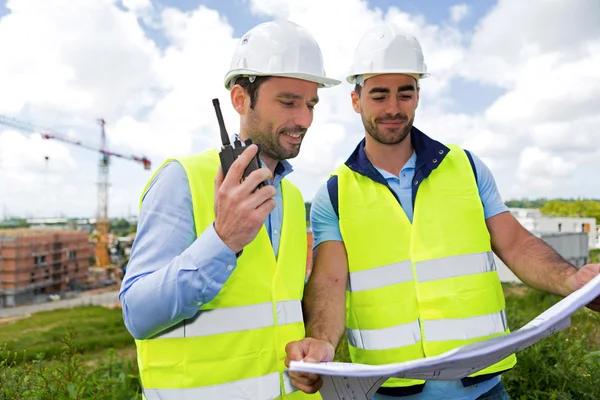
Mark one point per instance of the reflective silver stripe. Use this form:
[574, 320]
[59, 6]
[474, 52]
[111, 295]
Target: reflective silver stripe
[379, 277]
[235, 319]
[449, 267]
[260, 388]
[287, 383]
[465, 328]
[386, 338]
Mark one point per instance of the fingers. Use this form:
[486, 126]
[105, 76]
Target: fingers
[294, 351]
[595, 304]
[218, 183]
[311, 387]
[219, 178]
[586, 274]
[236, 171]
[255, 177]
[317, 352]
[308, 350]
[304, 378]
[258, 198]
[265, 209]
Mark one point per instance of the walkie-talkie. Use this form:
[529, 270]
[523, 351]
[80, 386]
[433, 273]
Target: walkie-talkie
[229, 153]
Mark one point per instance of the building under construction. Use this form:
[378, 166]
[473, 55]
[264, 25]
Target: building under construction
[45, 261]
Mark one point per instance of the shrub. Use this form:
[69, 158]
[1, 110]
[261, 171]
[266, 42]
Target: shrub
[67, 376]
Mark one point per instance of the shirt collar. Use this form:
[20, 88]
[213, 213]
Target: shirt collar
[429, 154]
[282, 169]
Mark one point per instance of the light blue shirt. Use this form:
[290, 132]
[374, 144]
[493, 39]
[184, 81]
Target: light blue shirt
[325, 226]
[171, 271]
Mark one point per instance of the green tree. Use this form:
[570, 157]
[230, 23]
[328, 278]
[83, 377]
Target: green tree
[576, 208]
[526, 203]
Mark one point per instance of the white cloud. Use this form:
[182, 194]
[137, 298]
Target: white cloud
[458, 12]
[67, 63]
[515, 31]
[551, 84]
[88, 58]
[542, 170]
[137, 5]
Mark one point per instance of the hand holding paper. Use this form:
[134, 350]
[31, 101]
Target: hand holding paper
[311, 351]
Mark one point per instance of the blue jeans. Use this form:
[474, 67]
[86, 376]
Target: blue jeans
[498, 392]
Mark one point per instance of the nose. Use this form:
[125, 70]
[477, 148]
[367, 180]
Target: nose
[304, 117]
[392, 106]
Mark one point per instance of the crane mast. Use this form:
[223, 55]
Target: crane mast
[102, 221]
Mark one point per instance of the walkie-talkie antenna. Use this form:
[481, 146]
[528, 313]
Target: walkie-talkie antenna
[224, 135]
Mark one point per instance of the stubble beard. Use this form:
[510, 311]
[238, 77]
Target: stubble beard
[269, 139]
[390, 137]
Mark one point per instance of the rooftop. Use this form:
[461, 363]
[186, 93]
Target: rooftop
[21, 232]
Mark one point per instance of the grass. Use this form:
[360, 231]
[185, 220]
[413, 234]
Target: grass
[86, 353]
[79, 353]
[563, 366]
[97, 329]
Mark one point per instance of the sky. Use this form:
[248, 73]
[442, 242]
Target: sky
[515, 82]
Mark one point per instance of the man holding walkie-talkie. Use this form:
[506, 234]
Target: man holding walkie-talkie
[213, 289]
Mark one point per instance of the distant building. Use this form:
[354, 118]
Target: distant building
[41, 262]
[533, 220]
[571, 237]
[309, 243]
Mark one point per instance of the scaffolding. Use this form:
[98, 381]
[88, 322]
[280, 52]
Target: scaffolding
[45, 261]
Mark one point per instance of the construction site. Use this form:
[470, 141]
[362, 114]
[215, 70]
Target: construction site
[37, 264]
[42, 261]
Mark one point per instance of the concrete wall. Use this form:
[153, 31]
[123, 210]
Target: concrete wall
[533, 220]
[97, 299]
[574, 247]
[571, 246]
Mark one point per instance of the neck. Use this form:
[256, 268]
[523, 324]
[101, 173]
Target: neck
[389, 157]
[269, 162]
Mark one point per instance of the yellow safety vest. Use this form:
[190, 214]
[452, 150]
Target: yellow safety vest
[421, 289]
[234, 348]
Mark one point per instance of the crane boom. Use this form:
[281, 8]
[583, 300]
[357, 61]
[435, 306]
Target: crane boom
[49, 134]
[146, 162]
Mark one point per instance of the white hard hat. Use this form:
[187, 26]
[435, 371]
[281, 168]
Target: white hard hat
[279, 48]
[386, 49]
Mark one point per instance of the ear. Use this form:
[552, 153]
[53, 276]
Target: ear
[355, 101]
[418, 96]
[238, 99]
[418, 92]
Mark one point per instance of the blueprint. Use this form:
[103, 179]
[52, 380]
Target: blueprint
[348, 381]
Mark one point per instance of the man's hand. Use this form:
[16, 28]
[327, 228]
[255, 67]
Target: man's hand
[239, 210]
[308, 350]
[583, 276]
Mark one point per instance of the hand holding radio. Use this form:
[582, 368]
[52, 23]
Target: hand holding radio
[229, 153]
[243, 200]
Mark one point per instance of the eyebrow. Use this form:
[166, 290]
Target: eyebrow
[404, 88]
[294, 96]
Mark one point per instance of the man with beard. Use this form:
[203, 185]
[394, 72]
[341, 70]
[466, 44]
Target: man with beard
[212, 293]
[403, 239]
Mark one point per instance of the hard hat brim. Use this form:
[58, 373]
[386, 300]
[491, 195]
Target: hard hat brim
[351, 78]
[323, 81]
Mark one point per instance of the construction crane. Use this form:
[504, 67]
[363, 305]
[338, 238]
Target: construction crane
[102, 221]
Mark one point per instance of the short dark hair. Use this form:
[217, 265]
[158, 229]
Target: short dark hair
[251, 87]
